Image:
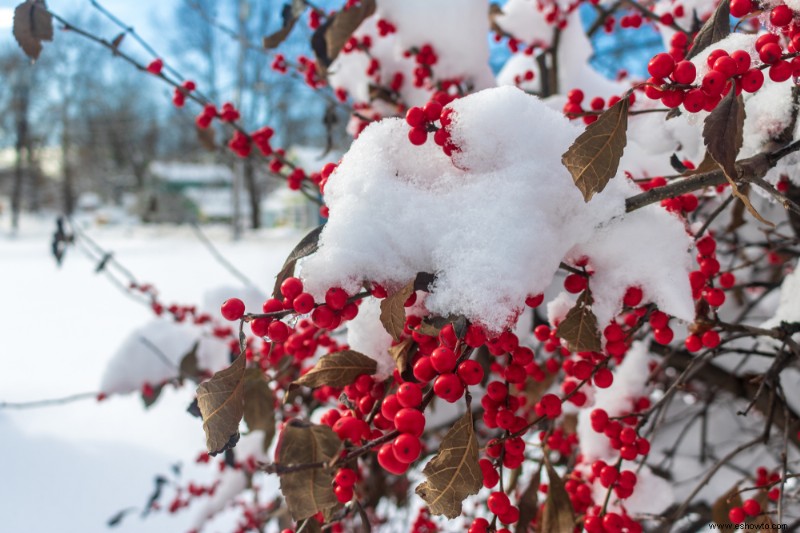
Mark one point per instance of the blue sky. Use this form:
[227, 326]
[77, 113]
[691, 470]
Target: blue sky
[144, 15]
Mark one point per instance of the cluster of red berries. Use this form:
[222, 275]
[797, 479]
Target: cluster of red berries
[750, 507]
[314, 18]
[385, 27]
[179, 96]
[422, 121]
[279, 64]
[573, 108]
[425, 58]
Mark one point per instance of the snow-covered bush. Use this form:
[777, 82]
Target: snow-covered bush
[542, 300]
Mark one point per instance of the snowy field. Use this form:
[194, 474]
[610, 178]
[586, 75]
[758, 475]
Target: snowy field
[69, 468]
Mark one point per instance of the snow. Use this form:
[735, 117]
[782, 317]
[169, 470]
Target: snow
[479, 209]
[366, 334]
[456, 30]
[85, 461]
[789, 305]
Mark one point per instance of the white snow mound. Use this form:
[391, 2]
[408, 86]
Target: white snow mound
[494, 223]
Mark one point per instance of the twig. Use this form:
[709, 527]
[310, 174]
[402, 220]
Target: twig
[49, 402]
[235, 272]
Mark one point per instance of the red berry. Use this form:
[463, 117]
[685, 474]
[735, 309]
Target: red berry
[633, 297]
[498, 503]
[742, 59]
[781, 15]
[713, 82]
[323, 317]
[417, 136]
[693, 343]
[406, 448]
[433, 110]
[575, 283]
[575, 96]
[155, 66]
[751, 507]
[470, 372]
[415, 117]
[345, 477]
[232, 309]
[603, 378]
[260, 326]
[291, 288]
[303, 303]
[278, 331]
[770, 53]
[740, 8]
[684, 72]
[534, 301]
[661, 65]
[736, 515]
[780, 71]
[409, 395]
[752, 80]
[336, 298]
[388, 460]
[443, 359]
[711, 339]
[448, 387]
[408, 420]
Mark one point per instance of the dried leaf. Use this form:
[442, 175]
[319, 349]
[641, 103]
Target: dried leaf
[722, 133]
[310, 491]
[290, 16]
[534, 390]
[723, 505]
[205, 136]
[307, 246]
[338, 369]
[32, 25]
[259, 405]
[579, 327]
[557, 515]
[715, 29]
[723, 137]
[393, 311]
[529, 503]
[189, 367]
[495, 11]
[593, 159]
[221, 402]
[706, 165]
[401, 353]
[117, 42]
[453, 474]
[343, 24]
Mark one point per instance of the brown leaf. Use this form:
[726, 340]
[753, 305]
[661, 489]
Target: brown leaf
[453, 474]
[259, 405]
[723, 505]
[310, 491]
[401, 353]
[534, 390]
[722, 133]
[221, 403]
[307, 246]
[343, 24]
[715, 29]
[528, 503]
[579, 327]
[116, 42]
[189, 367]
[557, 515]
[593, 159]
[290, 13]
[205, 136]
[393, 311]
[338, 369]
[32, 25]
[495, 11]
[723, 137]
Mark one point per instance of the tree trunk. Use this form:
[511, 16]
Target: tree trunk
[253, 193]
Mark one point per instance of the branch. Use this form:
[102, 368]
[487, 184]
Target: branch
[49, 402]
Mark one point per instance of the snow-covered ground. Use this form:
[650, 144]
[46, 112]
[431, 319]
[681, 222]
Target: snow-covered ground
[69, 468]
